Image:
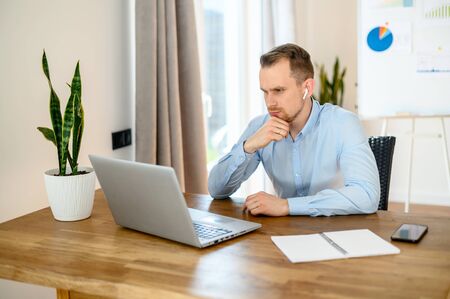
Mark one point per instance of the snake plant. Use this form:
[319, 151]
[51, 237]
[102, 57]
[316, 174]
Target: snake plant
[71, 124]
[332, 91]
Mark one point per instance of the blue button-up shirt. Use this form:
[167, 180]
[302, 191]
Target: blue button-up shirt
[328, 169]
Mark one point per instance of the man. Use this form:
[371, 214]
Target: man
[317, 156]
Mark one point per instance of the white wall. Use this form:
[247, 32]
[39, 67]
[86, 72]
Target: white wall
[101, 35]
[328, 29]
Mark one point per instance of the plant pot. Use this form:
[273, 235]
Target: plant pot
[70, 197]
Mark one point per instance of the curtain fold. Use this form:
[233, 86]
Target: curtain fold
[278, 22]
[169, 113]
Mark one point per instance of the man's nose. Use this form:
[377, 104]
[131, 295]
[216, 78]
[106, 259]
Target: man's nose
[270, 99]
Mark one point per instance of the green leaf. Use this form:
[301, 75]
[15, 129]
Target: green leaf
[331, 91]
[336, 68]
[78, 124]
[341, 96]
[66, 130]
[77, 129]
[72, 166]
[45, 66]
[48, 134]
[55, 115]
[76, 81]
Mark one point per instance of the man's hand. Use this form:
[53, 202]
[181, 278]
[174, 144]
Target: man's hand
[274, 129]
[262, 203]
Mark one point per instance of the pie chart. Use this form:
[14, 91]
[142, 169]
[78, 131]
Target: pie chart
[380, 39]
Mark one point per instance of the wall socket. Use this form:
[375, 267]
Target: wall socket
[121, 139]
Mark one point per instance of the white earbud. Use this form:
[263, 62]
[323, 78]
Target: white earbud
[306, 92]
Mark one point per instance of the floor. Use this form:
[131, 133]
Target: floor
[422, 209]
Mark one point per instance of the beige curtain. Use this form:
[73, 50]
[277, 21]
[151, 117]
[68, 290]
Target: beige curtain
[169, 113]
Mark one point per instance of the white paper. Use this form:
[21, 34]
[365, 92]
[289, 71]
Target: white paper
[362, 242]
[313, 247]
[306, 248]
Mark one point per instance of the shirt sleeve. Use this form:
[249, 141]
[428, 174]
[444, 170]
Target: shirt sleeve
[235, 167]
[361, 191]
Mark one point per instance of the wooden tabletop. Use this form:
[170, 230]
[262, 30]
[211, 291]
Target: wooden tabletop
[97, 257]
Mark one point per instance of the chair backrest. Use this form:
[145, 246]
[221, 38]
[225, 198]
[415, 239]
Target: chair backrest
[383, 150]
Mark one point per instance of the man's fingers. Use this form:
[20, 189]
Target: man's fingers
[282, 127]
[253, 205]
[279, 126]
[249, 201]
[281, 132]
[256, 211]
[277, 137]
[251, 197]
[254, 208]
[280, 121]
[252, 202]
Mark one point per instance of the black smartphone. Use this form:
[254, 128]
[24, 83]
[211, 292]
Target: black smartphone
[409, 232]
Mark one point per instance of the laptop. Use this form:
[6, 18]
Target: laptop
[147, 198]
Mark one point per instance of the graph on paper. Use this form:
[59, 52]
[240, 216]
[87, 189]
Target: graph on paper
[436, 10]
[380, 39]
[383, 4]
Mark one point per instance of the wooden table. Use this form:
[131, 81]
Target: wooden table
[97, 257]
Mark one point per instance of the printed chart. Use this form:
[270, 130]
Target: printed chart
[380, 39]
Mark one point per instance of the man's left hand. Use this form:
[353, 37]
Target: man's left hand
[262, 203]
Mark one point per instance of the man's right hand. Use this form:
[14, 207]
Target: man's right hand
[274, 129]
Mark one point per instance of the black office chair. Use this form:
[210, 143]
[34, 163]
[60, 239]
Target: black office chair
[383, 150]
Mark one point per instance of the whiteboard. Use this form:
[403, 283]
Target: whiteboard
[403, 57]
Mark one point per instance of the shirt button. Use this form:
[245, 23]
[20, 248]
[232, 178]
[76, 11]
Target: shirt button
[297, 174]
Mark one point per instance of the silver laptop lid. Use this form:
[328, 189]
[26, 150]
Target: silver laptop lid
[130, 191]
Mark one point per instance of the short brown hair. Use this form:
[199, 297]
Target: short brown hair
[299, 60]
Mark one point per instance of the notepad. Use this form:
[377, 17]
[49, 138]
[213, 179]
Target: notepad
[333, 245]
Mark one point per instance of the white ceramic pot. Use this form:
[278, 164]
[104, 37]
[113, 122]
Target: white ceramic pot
[71, 197]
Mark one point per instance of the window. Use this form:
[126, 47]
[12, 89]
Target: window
[219, 61]
[230, 47]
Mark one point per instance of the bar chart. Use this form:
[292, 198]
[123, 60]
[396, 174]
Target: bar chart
[437, 10]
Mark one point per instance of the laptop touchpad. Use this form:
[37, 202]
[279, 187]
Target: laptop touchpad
[216, 219]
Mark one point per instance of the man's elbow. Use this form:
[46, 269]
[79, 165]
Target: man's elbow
[373, 207]
[373, 201]
[217, 195]
[212, 190]
[215, 192]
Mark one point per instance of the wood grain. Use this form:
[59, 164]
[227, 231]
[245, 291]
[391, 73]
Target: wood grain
[99, 258]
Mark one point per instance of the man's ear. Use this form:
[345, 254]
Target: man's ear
[305, 93]
[309, 84]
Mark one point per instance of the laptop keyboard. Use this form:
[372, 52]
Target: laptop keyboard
[208, 232]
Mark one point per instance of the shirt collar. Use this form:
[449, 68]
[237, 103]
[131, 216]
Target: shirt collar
[313, 117]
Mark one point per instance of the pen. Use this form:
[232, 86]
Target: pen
[332, 243]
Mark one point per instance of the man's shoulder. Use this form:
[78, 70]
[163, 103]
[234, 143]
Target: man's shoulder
[341, 123]
[336, 116]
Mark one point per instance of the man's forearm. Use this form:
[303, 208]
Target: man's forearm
[233, 169]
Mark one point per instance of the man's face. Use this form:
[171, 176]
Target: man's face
[282, 94]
